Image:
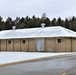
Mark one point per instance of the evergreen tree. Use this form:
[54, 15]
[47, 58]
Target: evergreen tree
[2, 24]
[32, 22]
[73, 23]
[53, 22]
[9, 23]
[66, 23]
[47, 22]
[21, 23]
[59, 22]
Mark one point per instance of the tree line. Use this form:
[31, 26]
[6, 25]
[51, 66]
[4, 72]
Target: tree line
[33, 22]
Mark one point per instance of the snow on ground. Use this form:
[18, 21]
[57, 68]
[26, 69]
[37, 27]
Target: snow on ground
[9, 57]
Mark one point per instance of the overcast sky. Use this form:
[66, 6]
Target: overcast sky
[22, 8]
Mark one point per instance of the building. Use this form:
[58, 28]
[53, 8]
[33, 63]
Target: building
[47, 39]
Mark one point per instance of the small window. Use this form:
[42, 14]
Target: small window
[59, 40]
[23, 41]
[9, 41]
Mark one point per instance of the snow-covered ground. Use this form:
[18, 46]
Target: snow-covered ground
[9, 57]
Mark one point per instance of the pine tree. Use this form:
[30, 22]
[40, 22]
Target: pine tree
[66, 23]
[59, 22]
[53, 22]
[8, 23]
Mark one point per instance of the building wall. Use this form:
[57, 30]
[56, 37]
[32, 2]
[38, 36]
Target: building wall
[10, 45]
[3, 45]
[17, 46]
[24, 45]
[32, 45]
[64, 45]
[68, 45]
[74, 44]
[58, 44]
[50, 44]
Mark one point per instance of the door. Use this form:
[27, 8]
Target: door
[40, 44]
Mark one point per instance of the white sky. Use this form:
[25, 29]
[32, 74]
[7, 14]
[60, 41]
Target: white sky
[22, 8]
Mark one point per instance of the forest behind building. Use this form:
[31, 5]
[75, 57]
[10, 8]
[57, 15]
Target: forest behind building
[33, 22]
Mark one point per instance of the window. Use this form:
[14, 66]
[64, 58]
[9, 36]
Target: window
[9, 41]
[23, 41]
[59, 40]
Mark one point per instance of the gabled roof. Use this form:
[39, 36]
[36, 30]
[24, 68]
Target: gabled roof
[55, 31]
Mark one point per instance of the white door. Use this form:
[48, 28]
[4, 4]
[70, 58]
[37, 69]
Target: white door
[40, 44]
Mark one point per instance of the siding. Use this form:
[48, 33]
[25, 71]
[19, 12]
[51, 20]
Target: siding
[17, 46]
[3, 45]
[10, 45]
[68, 45]
[32, 45]
[24, 45]
[74, 44]
[64, 46]
[50, 43]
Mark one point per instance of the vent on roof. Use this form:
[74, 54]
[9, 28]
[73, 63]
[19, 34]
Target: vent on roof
[43, 25]
[13, 27]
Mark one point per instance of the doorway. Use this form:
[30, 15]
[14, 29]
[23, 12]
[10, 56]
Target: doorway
[40, 44]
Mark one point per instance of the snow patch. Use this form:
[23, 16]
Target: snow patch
[55, 31]
[9, 57]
